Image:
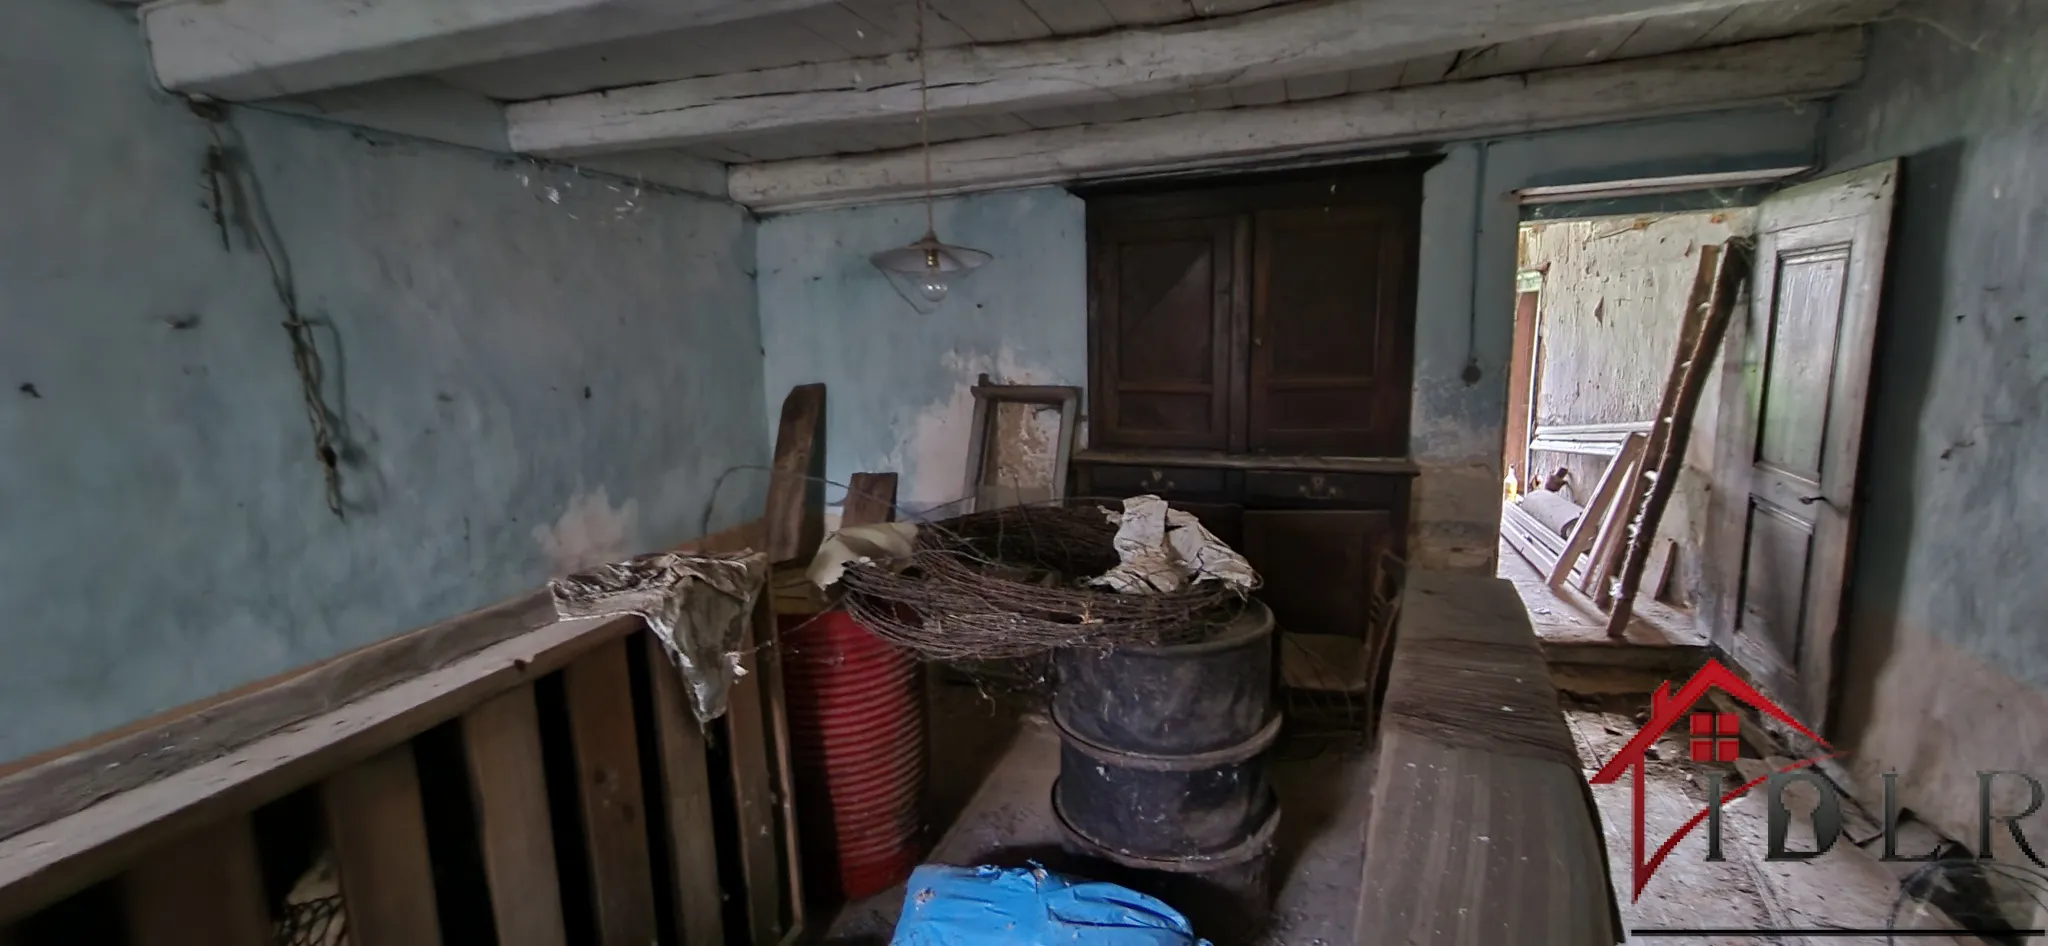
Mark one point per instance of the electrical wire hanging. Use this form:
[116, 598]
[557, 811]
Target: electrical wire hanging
[228, 159]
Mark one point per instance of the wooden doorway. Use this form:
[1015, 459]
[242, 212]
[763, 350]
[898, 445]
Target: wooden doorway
[1795, 381]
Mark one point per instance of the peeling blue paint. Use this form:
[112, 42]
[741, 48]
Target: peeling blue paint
[896, 379]
[520, 375]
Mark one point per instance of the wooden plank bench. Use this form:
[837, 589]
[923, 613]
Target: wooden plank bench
[1482, 828]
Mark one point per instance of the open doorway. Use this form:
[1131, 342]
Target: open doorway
[1600, 315]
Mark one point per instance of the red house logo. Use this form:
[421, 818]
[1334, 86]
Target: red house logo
[1712, 737]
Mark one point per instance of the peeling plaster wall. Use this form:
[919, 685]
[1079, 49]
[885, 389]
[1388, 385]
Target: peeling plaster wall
[1465, 313]
[897, 381]
[1613, 298]
[535, 369]
[1945, 657]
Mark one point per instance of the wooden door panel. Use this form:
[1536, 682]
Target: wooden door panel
[1330, 350]
[1791, 429]
[1318, 566]
[1779, 555]
[1163, 317]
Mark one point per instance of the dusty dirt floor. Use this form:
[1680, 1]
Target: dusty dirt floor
[1322, 784]
[1608, 683]
[993, 774]
[1845, 887]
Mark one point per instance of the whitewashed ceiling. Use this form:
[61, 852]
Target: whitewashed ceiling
[781, 87]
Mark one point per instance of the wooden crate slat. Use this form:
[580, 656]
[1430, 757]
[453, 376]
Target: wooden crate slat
[152, 781]
[379, 836]
[508, 783]
[747, 730]
[599, 694]
[686, 787]
[204, 889]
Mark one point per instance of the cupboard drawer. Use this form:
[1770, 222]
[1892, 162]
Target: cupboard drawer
[1335, 488]
[1166, 480]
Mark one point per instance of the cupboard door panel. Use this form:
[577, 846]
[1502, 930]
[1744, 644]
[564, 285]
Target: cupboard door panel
[1331, 328]
[1162, 313]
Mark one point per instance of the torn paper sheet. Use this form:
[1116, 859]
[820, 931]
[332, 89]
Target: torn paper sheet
[697, 604]
[882, 543]
[1165, 549]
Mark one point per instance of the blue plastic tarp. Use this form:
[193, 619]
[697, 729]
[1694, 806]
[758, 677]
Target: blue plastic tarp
[1030, 906]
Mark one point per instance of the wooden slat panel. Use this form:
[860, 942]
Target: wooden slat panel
[379, 835]
[599, 693]
[233, 756]
[747, 727]
[204, 889]
[757, 720]
[48, 787]
[509, 782]
[686, 791]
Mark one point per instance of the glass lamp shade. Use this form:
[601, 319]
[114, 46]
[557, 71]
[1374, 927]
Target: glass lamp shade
[929, 266]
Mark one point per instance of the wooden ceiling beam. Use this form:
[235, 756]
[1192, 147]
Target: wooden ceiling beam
[1772, 71]
[256, 49]
[1291, 41]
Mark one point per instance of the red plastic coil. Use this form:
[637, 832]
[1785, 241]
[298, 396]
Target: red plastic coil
[857, 740]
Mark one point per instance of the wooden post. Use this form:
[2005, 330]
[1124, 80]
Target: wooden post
[796, 492]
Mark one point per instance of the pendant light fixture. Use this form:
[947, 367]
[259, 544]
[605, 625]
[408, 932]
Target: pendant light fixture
[928, 267]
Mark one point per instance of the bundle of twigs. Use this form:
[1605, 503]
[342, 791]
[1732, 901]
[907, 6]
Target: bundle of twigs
[1007, 583]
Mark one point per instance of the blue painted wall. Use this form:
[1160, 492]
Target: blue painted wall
[1946, 659]
[534, 369]
[897, 380]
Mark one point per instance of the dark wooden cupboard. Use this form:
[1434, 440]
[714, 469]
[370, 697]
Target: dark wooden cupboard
[1251, 352]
